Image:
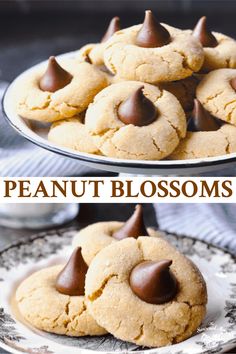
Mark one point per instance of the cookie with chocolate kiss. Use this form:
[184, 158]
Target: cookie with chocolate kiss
[93, 238]
[137, 109]
[219, 49]
[133, 227]
[203, 34]
[145, 292]
[152, 34]
[59, 90]
[201, 120]
[52, 299]
[136, 123]
[153, 282]
[55, 77]
[95, 50]
[113, 27]
[211, 130]
[153, 52]
[71, 279]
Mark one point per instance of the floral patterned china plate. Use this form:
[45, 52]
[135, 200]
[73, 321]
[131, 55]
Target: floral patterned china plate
[217, 333]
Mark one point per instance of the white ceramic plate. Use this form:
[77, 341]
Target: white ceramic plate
[217, 333]
[38, 136]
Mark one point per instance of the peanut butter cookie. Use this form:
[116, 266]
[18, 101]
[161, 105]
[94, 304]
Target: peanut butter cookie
[219, 49]
[52, 300]
[217, 93]
[94, 51]
[72, 133]
[206, 136]
[145, 292]
[153, 52]
[134, 120]
[62, 91]
[93, 238]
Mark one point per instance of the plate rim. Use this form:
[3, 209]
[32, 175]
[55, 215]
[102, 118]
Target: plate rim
[105, 160]
[42, 234]
[60, 231]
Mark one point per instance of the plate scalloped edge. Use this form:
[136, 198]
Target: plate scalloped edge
[39, 247]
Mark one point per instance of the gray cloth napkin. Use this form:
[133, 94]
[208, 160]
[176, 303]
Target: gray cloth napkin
[19, 157]
[213, 223]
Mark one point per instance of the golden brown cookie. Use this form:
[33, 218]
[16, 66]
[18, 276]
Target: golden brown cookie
[66, 102]
[72, 133]
[45, 308]
[217, 94]
[93, 238]
[152, 141]
[118, 306]
[94, 51]
[219, 49]
[206, 144]
[174, 59]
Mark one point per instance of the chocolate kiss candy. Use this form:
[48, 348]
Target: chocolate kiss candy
[87, 59]
[55, 77]
[113, 27]
[153, 282]
[134, 226]
[201, 120]
[152, 34]
[137, 109]
[233, 83]
[201, 32]
[71, 279]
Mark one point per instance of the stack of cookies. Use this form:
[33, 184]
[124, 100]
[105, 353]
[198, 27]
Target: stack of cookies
[122, 278]
[147, 92]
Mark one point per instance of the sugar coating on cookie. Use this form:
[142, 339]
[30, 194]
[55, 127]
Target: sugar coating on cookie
[115, 306]
[34, 103]
[151, 142]
[46, 309]
[93, 238]
[206, 144]
[72, 133]
[217, 95]
[174, 61]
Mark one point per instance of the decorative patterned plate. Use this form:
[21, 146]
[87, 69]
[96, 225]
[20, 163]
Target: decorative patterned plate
[37, 133]
[217, 333]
